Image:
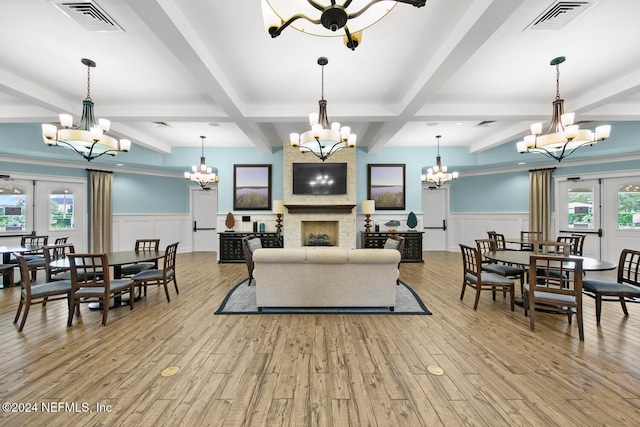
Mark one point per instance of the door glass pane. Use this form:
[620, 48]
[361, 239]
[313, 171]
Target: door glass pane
[629, 206]
[13, 208]
[580, 208]
[61, 209]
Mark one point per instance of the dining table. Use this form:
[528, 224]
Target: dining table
[117, 260]
[6, 258]
[521, 259]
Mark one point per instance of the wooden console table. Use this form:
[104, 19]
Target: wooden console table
[231, 244]
[412, 243]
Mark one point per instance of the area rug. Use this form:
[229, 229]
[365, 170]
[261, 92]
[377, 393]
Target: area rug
[242, 300]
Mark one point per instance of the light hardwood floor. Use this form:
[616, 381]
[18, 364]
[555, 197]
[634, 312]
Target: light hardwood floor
[319, 370]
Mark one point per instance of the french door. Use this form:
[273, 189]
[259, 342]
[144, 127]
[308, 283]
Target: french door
[621, 216]
[580, 211]
[61, 212]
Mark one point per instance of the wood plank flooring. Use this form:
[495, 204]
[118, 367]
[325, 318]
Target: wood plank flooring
[318, 370]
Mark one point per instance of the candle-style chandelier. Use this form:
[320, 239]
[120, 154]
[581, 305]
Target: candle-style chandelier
[202, 173]
[438, 174]
[88, 139]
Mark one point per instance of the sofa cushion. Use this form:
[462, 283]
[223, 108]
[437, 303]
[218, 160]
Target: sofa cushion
[326, 255]
[279, 255]
[373, 256]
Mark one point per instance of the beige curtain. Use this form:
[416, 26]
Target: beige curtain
[540, 201]
[101, 211]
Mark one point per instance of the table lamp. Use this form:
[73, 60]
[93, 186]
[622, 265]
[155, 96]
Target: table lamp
[368, 207]
[278, 209]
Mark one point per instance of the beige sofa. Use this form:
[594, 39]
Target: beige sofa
[325, 277]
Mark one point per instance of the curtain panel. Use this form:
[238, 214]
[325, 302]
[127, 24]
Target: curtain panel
[540, 201]
[101, 215]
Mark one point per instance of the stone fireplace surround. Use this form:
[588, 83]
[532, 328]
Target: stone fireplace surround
[338, 209]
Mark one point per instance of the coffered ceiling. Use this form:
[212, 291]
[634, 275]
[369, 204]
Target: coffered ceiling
[475, 71]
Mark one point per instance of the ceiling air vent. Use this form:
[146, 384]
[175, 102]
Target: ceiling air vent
[88, 14]
[559, 14]
[485, 123]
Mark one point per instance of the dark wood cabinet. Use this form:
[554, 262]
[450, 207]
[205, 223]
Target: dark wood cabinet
[231, 244]
[412, 243]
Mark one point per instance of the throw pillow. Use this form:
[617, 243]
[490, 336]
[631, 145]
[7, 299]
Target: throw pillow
[254, 244]
[391, 244]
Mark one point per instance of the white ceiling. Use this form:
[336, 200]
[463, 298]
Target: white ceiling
[419, 72]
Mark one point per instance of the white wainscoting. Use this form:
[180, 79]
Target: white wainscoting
[168, 228]
[466, 228]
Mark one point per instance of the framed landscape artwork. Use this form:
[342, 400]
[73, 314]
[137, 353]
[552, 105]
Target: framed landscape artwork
[387, 186]
[252, 187]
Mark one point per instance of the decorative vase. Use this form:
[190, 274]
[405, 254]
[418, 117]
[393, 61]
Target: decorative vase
[230, 222]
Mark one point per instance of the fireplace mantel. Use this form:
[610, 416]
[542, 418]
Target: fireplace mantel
[320, 209]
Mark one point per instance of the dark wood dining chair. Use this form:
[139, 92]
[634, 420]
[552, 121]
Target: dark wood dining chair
[395, 242]
[555, 287]
[34, 258]
[91, 283]
[154, 276]
[627, 284]
[491, 266]
[474, 277]
[31, 294]
[57, 253]
[580, 245]
[141, 245]
[573, 242]
[529, 236]
[249, 245]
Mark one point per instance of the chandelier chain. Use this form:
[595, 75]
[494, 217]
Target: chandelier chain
[322, 85]
[557, 81]
[88, 83]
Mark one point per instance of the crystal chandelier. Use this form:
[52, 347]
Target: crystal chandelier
[202, 174]
[323, 140]
[323, 18]
[563, 137]
[88, 139]
[438, 174]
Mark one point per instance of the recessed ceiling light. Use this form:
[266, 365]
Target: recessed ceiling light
[119, 164]
[459, 123]
[214, 124]
[432, 123]
[522, 163]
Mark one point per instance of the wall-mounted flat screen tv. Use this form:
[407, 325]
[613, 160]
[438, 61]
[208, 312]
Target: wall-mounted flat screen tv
[319, 178]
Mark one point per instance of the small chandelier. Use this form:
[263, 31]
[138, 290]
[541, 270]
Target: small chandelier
[88, 138]
[438, 174]
[202, 174]
[563, 137]
[325, 19]
[323, 140]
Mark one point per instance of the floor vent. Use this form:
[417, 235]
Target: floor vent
[88, 14]
[559, 14]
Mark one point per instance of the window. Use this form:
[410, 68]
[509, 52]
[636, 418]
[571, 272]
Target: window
[13, 208]
[629, 206]
[61, 209]
[580, 203]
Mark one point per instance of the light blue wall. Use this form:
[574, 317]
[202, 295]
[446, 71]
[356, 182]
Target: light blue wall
[507, 192]
[141, 194]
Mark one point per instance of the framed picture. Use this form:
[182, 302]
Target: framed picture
[251, 187]
[387, 186]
